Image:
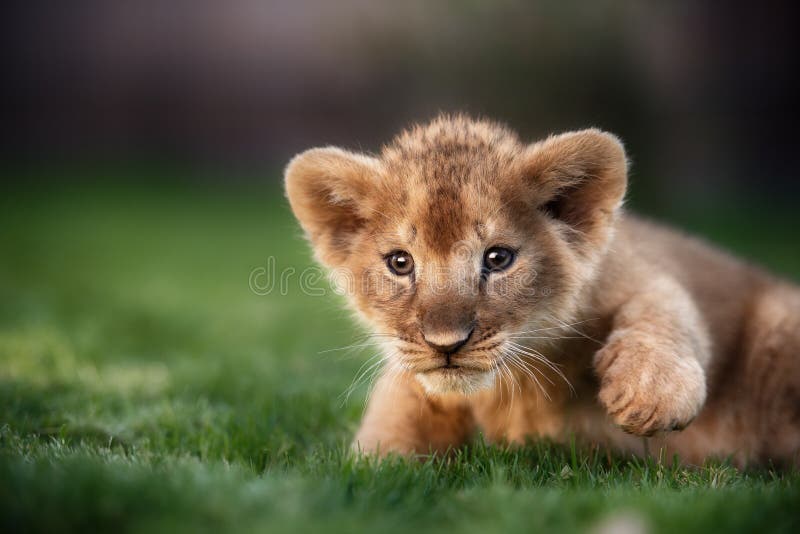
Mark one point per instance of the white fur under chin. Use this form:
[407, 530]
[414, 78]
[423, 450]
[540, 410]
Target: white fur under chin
[439, 383]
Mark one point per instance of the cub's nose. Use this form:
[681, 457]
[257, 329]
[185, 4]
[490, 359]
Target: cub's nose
[447, 343]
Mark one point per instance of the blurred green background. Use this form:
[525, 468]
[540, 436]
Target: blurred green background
[144, 385]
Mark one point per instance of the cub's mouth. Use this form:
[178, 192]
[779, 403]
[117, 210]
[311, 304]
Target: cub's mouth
[454, 378]
[452, 367]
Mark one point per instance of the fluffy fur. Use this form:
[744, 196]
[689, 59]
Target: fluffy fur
[605, 326]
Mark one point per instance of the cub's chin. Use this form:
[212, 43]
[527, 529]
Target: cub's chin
[455, 380]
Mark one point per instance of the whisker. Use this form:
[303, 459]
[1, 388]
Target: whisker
[513, 382]
[367, 363]
[572, 327]
[515, 353]
[353, 346]
[529, 367]
[544, 337]
[499, 374]
[396, 371]
[519, 364]
[562, 325]
[536, 355]
[361, 375]
[389, 369]
[533, 353]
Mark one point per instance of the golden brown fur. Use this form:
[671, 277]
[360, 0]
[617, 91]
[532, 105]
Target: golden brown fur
[650, 333]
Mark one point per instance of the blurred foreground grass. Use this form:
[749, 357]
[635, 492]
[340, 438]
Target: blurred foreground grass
[144, 386]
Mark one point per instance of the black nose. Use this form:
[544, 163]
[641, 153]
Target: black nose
[449, 348]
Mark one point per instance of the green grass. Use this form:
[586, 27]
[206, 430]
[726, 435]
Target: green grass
[144, 386]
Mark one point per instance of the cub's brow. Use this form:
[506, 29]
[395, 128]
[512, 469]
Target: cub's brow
[480, 229]
[391, 235]
[412, 234]
[383, 238]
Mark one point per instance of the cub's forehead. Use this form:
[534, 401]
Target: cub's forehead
[439, 216]
[449, 178]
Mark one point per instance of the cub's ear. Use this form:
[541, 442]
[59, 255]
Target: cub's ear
[327, 190]
[579, 178]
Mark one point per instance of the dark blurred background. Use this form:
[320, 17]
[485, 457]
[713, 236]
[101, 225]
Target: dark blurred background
[701, 92]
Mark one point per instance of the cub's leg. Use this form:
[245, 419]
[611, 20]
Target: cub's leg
[770, 379]
[652, 368]
[402, 419]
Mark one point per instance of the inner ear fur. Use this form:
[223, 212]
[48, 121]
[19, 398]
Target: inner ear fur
[327, 190]
[579, 178]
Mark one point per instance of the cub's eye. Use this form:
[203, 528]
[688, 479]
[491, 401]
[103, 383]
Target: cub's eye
[498, 259]
[400, 263]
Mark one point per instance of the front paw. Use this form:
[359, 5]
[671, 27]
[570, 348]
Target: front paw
[647, 385]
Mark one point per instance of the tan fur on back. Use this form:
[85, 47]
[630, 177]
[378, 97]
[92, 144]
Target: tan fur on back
[604, 326]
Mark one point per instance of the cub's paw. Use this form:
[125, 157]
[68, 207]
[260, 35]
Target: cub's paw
[647, 386]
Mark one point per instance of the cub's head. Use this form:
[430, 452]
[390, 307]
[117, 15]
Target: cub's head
[458, 236]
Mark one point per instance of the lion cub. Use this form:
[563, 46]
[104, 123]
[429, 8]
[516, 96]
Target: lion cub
[512, 294]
